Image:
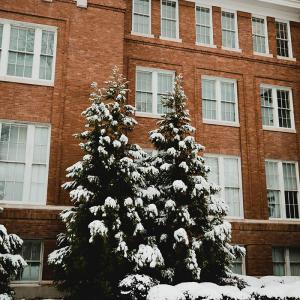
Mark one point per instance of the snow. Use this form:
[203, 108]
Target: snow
[165, 292]
[179, 186]
[184, 166]
[139, 202]
[150, 193]
[138, 229]
[110, 202]
[128, 202]
[117, 144]
[148, 256]
[181, 236]
[97, 228]
[123, 139]
[56, 257]
[5, 297]
[170, 205]
[152, 209]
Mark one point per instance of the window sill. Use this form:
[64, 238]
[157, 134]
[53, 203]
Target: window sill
[147, 115]
[284, 220]
[220, 123]
[26, 80]
[287, 130]
[206, 45]
[147, 35]
[286, 58]
[170, 39]
[232, 49]
[263, 54]
[232, 218]
[19, 205]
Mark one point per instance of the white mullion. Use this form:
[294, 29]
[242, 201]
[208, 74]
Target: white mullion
[236, 106]
[221, 176]
[154, 91]
[177, 18]
[241, 202]
[28, 163]
[291, 103]
[287, 261]
[266, 36]
[5, 49]
[37, 53]
[237, 46]
[281, 185]
[218, 98]
[289, 39]
[275, 106]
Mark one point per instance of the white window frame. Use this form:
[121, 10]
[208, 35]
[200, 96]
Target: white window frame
[29, 162]
[177, 39]
[275, 108]
[149, 34]
[21, 282]
[290, 57]
[281, 188]
[211, 45]
[36, 53]
[154, 73]
[287, 265]
[267, 53]
[221, 184]
[218, 120]
[237, 45]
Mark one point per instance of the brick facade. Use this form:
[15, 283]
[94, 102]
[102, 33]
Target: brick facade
[90, 41]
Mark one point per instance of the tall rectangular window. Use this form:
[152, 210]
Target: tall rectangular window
[286, 261]
[169, 19]
[152, 85]
[33, 255]
[239, 266]
[23, 162]
[27, 52]
[260, 35]
[282, 189]
[204, 32]
[229, 30]
[219, 100]
[283, 39]
[141, 17]
[277, 107]
[226, 172]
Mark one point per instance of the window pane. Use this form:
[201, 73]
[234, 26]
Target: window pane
[282, 39]
[40, 145]
[228, 30]
[284, 109]
[278, 261]
[144, 91]
[165, 82]
[259, 38]
[141, 16]
[38, 183]
[209, 103]
[295, 261]
[213, 164]
[267, 106]
[237, 266]
[203, 25]
[228, 101]
[1, 34]
[168, 19]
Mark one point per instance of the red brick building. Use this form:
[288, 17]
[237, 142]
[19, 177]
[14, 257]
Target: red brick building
[241, 65]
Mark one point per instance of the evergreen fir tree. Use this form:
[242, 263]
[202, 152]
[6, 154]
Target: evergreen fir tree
[11, 263]
[190, 233]
[103, 229]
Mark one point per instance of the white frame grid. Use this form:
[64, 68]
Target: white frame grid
[154, 72]
[282, 189]
[287, 264]
[267, 53]
[290, 57]
[211, 44]
[221, 176]
[276, 126]
[237, 46]
[36, 53]
[28, 163]
[16, 282]
[218, 120]
[150, 20]
[177, 39]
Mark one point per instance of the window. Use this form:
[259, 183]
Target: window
[239, 266]
[219, 100]
[169, 19]
[283, 39]
[229, 30]
[286, 261]
[282, 189]
[204, 31]
[23, 162]
[260, 35]
[27, 52]
[226, 172]
[151, 86]
[141, 22]
[277, 107]
[32, 253]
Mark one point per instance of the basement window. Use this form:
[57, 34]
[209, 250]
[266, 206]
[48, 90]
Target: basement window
[286, 261]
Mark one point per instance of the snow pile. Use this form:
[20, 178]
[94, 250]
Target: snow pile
[165, 292]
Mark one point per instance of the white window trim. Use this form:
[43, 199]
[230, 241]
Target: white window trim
[267, 54]
[177, 39]
[290, 57]
[154, 73]
[275, 108]
[237, 45]
[211, 45]
[218, 121]
[220, 158]
[150, 20]
[36, 53]
[281, 188]
[22, 282]
[28, 163]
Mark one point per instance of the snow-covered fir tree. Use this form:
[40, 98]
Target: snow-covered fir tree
[11, 262]
[191, 237]
[104, 229]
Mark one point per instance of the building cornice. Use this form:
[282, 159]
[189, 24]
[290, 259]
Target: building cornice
[286, 3]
